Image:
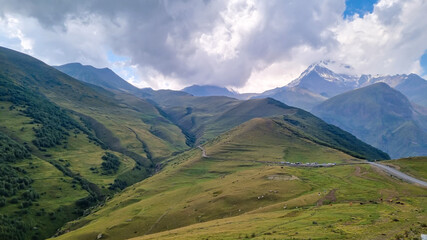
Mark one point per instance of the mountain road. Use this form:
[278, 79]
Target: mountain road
[399, 174]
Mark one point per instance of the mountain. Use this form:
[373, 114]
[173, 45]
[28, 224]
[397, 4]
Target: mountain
[104, 77]
[242, 174]
[329, 78]
[318, 78]
[415, 88]
[412, 86]
[316, 84]
[208, 90]
[379, 115]
[294, 96]
[203, 118]
[69, 151]
[67, 145]
[326, 79]
[199, 117]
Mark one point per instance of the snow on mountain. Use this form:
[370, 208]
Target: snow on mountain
[330, 71]
[391, 80]
[320, 79]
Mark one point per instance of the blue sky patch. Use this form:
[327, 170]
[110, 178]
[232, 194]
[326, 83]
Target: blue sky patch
[115, 58]
[360, 7]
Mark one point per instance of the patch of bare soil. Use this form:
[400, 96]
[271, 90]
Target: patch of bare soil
[357, 171]
[330, 197]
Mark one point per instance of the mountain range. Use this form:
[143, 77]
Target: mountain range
[318, 83]
[319, 79]
[75, 143]
[94, 157]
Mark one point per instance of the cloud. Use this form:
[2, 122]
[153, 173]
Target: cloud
[250, 45]
[79, 43]
[390, 40]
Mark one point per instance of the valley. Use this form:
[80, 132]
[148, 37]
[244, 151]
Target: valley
[212, 120]
[236, 192]
[109, 161]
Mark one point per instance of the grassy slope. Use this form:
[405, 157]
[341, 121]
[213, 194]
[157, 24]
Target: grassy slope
[127, 112]
[339, 221]
[194, 114]
[242, 112]
[117, 111]
[58, 193]
[223, 189]
[313, 128]
[79, 156]
[206, 117]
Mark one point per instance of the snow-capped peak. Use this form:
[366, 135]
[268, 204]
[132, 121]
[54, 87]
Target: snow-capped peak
[336, 67]
[330, 71]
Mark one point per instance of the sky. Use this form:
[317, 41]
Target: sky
[245, 45]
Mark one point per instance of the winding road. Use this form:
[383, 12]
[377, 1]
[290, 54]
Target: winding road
[399, 174]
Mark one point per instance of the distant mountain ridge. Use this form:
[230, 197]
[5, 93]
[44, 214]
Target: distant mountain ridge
[208, 90]
[379, 115]
[211, 90]
[97, 76]
[205, 111]
[411, 85]
[202, 118]
[108, 79]
[317, 83]
[294, 96]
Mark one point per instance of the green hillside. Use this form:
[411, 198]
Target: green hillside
[203, 118]
[74, 144]
[380, 116]
[118, 112]
[242, 190]
[106, 161]
[36, 196]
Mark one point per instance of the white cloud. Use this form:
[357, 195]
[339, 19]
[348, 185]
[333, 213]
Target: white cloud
[83, 40]
[235, 23]
[11, 33]
[281, 73]
[390, 40]
[249, 45]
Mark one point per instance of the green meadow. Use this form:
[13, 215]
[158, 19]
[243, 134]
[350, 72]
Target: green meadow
[236, 192]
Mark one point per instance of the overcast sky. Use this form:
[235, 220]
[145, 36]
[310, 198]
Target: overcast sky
[247, 45]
